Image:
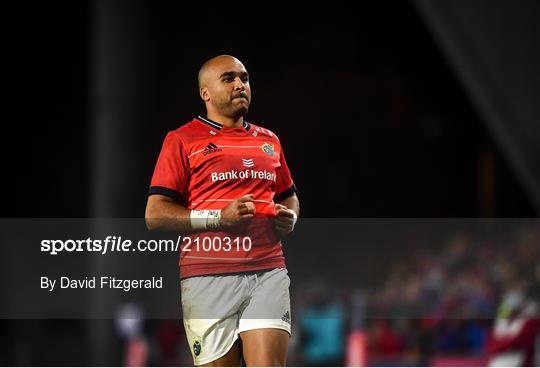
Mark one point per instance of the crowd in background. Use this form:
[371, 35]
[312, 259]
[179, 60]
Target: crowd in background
[441, 301]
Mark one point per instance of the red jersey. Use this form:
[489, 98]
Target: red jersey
[205, 165]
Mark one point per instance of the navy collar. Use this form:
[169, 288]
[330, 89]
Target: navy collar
[218, 126]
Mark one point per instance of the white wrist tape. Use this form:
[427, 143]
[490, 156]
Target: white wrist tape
[295, 218]
[205, 219]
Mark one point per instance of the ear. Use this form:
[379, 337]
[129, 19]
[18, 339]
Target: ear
[205, 95]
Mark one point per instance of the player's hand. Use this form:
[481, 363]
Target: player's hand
[285, 219]
[238, 211]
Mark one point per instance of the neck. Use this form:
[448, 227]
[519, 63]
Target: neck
[225, 120]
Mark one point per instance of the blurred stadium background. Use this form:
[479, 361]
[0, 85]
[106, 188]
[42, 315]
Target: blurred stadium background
[393, 109]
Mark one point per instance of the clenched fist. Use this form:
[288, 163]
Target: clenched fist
[237, 211]
[285, 219]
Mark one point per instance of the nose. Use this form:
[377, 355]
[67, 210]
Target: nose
[238, 84]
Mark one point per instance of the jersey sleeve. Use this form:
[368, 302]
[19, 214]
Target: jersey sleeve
[171, 174]
[284, 183]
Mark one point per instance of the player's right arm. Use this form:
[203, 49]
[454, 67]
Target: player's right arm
[164, 213]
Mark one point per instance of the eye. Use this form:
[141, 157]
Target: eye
[245, 79]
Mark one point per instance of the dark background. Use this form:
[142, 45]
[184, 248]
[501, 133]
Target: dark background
[387, 109]
[373, 119]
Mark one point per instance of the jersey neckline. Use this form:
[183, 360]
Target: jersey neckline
[214, 124]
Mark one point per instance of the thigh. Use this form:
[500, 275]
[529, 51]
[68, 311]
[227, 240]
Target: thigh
[265, 323]
[265, 347]
[231, 359]
[269, 305]
[211, 309]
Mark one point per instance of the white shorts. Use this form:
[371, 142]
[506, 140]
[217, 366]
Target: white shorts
[216, 309]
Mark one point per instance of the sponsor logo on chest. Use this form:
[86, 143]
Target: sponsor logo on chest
[243, 174]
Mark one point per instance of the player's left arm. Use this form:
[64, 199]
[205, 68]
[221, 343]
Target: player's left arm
[286, 201]
[287, 212]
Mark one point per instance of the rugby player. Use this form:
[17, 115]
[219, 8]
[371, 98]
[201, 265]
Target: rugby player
[226, 180]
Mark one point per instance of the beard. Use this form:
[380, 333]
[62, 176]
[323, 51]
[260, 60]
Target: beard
[241, 110]
[231, 109]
